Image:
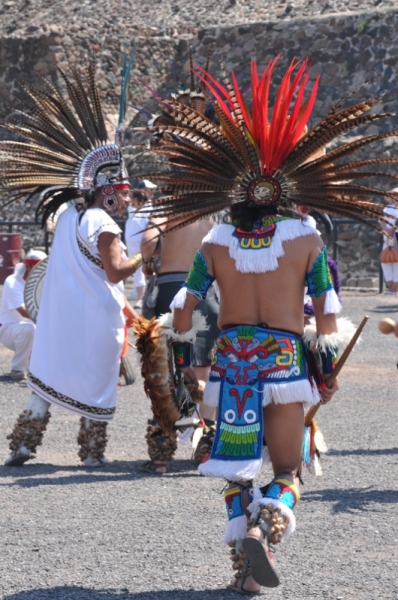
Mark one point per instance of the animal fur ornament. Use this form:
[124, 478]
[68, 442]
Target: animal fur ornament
[28, 432]
[264, 160]
[154, 340]
[92, 439]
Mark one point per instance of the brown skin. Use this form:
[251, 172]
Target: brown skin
[115, 267]
[276, 298]
[178, 247]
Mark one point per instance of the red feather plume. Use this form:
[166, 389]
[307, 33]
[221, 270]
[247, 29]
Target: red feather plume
[275, 137]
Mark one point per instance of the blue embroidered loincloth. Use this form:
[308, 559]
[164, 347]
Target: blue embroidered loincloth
[252, 367]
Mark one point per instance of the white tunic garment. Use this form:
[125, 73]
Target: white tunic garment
[12, 299]
[80, 326]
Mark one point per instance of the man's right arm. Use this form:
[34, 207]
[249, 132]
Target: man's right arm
[14, 298]
[23, 312]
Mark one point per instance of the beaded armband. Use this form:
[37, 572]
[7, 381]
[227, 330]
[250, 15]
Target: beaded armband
[319, 280]
[325, 349]
[328, 358]
[199, 279]
[183, 354]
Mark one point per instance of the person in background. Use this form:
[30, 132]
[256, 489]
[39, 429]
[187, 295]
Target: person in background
[80, 332]
[17, 329]
[177, 251]
[389, 254]
[134, 230]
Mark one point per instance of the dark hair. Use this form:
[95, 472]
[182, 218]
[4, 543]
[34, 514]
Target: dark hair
[89, 197]
[141, 195]
[243, 214]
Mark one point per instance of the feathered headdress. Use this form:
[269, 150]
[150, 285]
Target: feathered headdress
[260, 159]
[65, 143]
[194, 96]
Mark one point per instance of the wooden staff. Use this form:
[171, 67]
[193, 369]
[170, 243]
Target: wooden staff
[330, 379]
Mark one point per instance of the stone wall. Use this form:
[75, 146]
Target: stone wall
[347, 50]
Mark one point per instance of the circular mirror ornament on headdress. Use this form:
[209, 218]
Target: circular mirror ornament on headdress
[264, 190]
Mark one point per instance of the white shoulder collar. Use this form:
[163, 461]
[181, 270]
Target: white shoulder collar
[258, 253]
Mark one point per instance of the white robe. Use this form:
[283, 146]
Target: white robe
[80, 326]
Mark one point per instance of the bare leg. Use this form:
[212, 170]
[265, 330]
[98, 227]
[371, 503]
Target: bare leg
[140, 292]
[206, 412]
[283, 425]
[202, 372]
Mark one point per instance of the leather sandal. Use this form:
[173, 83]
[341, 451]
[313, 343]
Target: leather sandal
[152, 467]
[259, 554]
[237, 585]
[261, 562]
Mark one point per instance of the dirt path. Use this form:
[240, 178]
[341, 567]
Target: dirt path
[117, 533]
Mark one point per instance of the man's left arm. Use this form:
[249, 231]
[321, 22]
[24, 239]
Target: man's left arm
[194, 290]
[182, 322]
[326, 326]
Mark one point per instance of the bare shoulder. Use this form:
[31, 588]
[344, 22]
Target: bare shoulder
[305, 244]
[207, 249]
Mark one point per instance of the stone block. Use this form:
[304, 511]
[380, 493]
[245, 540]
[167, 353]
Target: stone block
[366, 282]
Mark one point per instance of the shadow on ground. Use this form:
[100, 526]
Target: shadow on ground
[39, 474]
[352, 500]
[362, 452]
[392, 308]
[80, 593]
[8, 379]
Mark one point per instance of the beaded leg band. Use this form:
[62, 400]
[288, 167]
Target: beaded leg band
[161, 447]
[205, 444]
[238, 498]
[92, 440]
[240, 564]
[271, 522]
[27, 434]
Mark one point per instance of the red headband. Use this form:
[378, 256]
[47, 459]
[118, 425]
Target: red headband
[122, 186]
[32, 261]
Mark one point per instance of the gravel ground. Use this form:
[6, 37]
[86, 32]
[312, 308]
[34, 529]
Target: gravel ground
[67, 532]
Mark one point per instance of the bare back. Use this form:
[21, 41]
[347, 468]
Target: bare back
[275, 297]
[179, 247]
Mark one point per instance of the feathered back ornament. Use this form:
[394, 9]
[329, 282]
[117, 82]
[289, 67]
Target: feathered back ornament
[194, 96]
[263, 159]
[64, 143]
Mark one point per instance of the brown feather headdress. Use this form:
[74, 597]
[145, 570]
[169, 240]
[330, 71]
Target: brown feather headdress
[257, 159]
[62, 143]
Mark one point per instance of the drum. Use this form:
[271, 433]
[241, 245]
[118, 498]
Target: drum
[34, 288]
